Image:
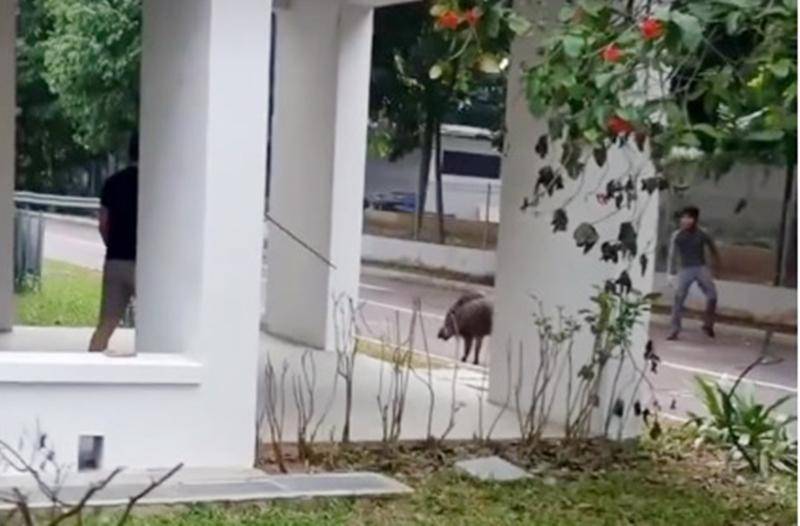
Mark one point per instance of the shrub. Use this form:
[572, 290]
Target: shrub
[755, 433]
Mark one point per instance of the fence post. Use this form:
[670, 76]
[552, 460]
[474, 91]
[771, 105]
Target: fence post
[486, 215]
[28, 248]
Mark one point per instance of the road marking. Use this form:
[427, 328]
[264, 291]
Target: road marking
[730, 376]
[375, 287]
[402, 309]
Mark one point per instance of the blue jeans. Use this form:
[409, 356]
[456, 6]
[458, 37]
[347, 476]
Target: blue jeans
[702, 276]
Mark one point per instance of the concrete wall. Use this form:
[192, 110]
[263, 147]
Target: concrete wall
[467, 197]
[190, 394]
[317, 172]
[478, 263]
[7, 138]
[531, 260]
[761, 303]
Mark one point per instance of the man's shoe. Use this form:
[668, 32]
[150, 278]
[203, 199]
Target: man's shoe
[709, 331]
[672, 337]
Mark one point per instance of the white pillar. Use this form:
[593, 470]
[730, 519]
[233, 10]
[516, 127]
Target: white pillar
[323, 55]
[8, 86]
[532, 260]
[203, 130]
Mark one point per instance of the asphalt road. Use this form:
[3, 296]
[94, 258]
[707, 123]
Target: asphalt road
[388, 297]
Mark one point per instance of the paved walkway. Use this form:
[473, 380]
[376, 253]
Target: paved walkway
[191, 486]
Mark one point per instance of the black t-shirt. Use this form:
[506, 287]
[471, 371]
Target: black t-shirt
[120, 194]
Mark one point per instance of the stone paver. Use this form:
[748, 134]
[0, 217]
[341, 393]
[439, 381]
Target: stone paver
[492, 469]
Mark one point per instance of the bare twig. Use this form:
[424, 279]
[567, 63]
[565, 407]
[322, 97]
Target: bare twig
[133, 501]
[275, 409]
[77, 508]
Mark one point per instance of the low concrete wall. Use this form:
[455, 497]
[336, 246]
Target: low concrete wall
[478, 263]
[749, 301]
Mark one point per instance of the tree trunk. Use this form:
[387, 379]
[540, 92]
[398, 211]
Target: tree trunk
[439, 194]
[424, 173]
[783, 245]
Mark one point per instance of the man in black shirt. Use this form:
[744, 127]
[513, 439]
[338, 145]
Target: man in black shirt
[118, 229]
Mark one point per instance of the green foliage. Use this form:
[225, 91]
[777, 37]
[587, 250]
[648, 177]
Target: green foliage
[406, 101]
[478, 34]
[754, 432]
[45, 143]
[703, 80]
[91, 60]
[77, 85]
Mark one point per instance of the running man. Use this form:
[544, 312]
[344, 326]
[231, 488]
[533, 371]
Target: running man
[691, 241]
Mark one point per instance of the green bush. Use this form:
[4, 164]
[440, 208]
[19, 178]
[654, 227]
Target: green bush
[754, 432]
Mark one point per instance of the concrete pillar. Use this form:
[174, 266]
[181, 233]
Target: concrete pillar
[532, 260]
[323, 53]
[8, 85]
[205, 91]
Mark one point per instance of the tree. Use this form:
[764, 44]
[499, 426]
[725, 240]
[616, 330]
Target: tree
[45, 143]
[420, 79]
[77, 86]
[91, 60]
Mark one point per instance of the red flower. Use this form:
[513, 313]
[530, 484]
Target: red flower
[611, 53]
[449, 20]
[473, 16]
[651, 28]
[619, 126]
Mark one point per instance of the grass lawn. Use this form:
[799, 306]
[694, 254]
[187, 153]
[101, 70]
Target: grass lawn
[446, 498]
[69, 296]
[652, 485]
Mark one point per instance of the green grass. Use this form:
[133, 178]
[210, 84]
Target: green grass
[69, 296]
[642, 496]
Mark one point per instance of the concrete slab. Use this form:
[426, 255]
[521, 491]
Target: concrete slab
[194, 486]
[492, 468]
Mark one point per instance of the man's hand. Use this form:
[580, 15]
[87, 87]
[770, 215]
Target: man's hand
[103, 224]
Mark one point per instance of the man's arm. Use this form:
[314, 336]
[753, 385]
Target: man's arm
[671, 254]
[104, 224]
[716, 261]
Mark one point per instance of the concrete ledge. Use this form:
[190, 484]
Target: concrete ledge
[93, 368]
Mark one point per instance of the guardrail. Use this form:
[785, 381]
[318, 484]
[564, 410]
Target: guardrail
[93, 203]
[59, 201]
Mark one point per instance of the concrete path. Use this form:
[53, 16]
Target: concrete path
[192, 486]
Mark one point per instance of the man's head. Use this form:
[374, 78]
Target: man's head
[689, 217]
[133, 148]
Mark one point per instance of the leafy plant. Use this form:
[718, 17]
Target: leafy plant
[755, 433]
[701, 80]
[426, 72]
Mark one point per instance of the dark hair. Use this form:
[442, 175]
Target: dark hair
[691, 211]
[133, 147]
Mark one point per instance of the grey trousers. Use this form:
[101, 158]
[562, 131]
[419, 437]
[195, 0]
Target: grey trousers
[702, 276]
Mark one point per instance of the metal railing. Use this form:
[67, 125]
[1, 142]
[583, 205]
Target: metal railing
[57, 201]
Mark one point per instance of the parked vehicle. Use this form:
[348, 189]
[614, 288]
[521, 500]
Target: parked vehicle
[394, 201]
